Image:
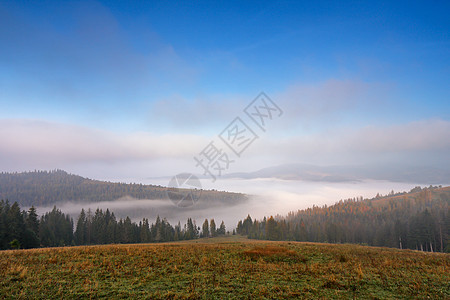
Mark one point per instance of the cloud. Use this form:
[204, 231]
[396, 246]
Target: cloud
[201, 113]
[316, 104]
[423, 141]
[39, 144]
[331, 103]
[417, 136]
[273, 196]
[49, 143]
[324, 97]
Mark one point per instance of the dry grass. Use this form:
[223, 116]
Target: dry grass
[224, 268]
[274, 253]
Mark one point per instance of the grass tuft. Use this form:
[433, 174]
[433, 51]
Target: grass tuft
[271, 253]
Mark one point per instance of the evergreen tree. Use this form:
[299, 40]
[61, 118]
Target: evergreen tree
[191, 230]
[222, 229]
[81, 228]
[3, 225]
[212, 228]
[247, 225]
[111, 230]
[157, 230]
[271, 229]
[56, 229]
[239, 228]
[205, 229]
[16, 223]
[178, 235]
[144, 231]
[416, 220]
[32, 220]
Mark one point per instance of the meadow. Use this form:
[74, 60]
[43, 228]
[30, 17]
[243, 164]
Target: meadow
[225, 267]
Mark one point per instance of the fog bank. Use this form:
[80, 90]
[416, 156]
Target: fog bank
[266, 197]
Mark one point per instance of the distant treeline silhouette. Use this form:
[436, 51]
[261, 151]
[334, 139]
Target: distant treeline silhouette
[417, 220]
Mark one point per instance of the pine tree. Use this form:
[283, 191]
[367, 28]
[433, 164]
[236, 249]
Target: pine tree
[16, 223]
[271, 229]
[32, 220]
[80, 231]
[205, 229]
[56, 229]
[222, 229]
[212, 228]
[247, 225]
[157, 230]
[190, 230]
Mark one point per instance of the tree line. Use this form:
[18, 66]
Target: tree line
[24, 229]
[417, 220]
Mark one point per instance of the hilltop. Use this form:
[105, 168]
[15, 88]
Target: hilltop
[40, 188]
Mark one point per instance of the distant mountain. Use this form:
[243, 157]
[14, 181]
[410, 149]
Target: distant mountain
[306, 172]
[40, 188]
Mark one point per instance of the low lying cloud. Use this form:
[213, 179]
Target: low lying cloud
[268, 197]
[32, 144]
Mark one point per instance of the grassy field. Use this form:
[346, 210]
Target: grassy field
[224, 268]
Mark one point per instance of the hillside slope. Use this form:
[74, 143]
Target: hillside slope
[40, 188]
[419, 219]
[224, 268]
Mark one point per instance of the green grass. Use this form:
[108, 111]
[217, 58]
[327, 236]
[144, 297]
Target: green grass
[228, 267]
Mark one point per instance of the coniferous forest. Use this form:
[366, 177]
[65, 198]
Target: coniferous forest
[48, 188]
[24, 229]
[418, 220]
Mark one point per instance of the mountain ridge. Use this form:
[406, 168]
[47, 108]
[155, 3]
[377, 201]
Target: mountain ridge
[347, 173]
[40, 188]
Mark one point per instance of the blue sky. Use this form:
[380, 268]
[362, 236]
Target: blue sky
[107, 78]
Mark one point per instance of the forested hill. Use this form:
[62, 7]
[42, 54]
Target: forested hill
[40, 188]
[419, 220]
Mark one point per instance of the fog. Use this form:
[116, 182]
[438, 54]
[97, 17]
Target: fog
[266, 197]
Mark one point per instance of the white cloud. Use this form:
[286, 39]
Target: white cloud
[422, 141]
[303, 104]
[45, 142]
[424, 135]
[37, 144]
[28, 144]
